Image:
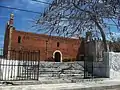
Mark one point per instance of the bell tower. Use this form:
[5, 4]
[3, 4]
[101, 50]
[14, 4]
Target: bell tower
[11, 21]
[8, 35]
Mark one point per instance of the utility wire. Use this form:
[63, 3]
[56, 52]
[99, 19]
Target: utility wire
[42, 2]
[27, 10]
[20, 9]
[36, 12]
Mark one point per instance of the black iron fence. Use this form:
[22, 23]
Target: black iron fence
[88, 67]
[94, 69]
[19, 65]
[24, 65]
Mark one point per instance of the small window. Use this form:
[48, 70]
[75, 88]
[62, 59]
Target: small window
[19, 39]
[46, 41]
[58, 44]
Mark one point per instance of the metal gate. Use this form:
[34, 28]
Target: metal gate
[19, 65]
[88, 67]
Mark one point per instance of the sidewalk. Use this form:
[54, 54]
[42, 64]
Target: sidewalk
[98, 85]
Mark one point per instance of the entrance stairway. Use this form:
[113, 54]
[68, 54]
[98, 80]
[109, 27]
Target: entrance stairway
[51, 72]
[61, 72]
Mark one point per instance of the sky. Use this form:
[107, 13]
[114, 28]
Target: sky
[23, 21]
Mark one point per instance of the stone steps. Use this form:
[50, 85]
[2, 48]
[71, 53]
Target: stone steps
[49, 72]
[58, 70]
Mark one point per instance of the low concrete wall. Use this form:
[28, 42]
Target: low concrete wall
[114, 65]
[109, 67]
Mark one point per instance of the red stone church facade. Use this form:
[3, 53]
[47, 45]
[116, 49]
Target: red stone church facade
[51, 48]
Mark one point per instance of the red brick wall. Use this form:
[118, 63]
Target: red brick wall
[30, 41]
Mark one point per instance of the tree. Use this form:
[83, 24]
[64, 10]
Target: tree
[115, 45]
[75, 17]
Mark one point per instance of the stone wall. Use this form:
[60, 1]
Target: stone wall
[114, 65]
[109, 67]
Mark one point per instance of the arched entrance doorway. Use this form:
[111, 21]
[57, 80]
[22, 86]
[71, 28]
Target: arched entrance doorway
[57, 57]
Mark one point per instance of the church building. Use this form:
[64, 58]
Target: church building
[52, 48]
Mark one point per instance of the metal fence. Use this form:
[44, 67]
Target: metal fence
[94, 69]
[88, 67]
[24, 65]
[19, 65]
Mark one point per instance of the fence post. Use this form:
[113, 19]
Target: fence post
[38, 64]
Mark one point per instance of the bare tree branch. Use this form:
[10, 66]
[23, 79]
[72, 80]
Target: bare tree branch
[73, 17]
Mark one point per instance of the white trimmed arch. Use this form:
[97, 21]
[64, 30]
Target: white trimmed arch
[60, 54]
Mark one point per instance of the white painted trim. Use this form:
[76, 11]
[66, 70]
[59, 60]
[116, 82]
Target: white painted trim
[60, 54]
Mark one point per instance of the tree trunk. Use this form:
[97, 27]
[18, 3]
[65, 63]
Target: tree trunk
[93, 17]
[103, 35]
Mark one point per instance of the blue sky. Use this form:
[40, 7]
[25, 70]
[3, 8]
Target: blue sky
[22, 20]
